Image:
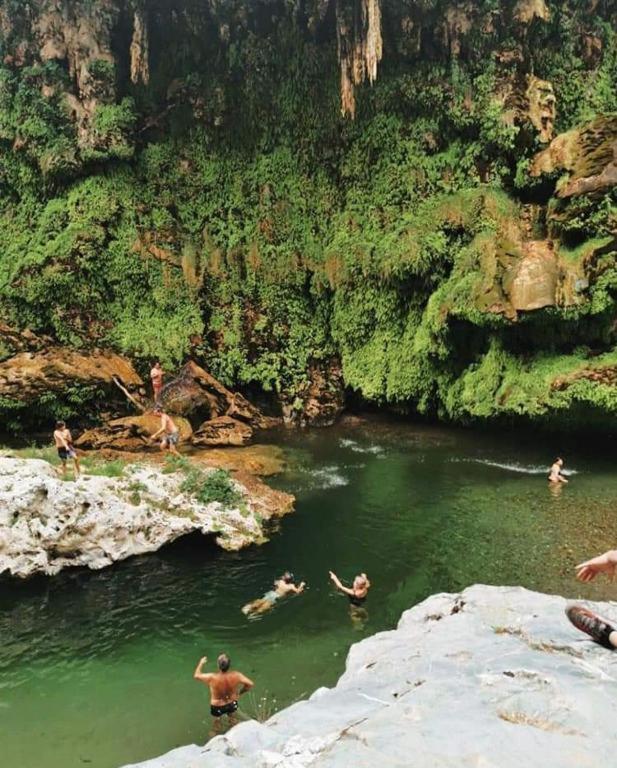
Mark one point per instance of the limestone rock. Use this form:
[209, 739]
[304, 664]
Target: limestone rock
[140, 66]
[525, 11]
[131, 433]
[494, 676]
[542, 110]
[522, 275]
[588, 153]
[533, 281]
[47, 524]
[223, 430]
[360, 47]
[28, 375]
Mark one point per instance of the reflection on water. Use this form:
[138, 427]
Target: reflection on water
[96, 668]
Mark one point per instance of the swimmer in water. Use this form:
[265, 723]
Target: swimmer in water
[282, 587]
[555, 474]
[358, 592]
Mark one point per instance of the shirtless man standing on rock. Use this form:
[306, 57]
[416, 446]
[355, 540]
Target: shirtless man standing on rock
[225, 688]
[64, 446]
[169, 430]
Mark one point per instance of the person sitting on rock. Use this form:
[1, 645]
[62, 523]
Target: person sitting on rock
[555, 474]
[64, 445]
[156, 376]
[599, 629]
[282, 587]
[358, 592]
[225, 688]
[171, 435]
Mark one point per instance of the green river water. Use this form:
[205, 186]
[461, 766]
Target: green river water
[96, 667]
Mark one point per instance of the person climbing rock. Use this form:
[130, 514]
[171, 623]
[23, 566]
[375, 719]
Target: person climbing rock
[282, 587]
[555, 474]
[358, 592]
[171, 435]
[156, 376]
[226, 687]
[599, 629]
[64, 445]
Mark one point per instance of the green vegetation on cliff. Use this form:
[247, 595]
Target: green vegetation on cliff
[204, 195]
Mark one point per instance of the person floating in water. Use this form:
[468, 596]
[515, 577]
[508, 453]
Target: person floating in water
[156, 376]
[226, 687]
[169, 430]
[282, 587]
[599, 629]
[64, 446]
[358, 592]
[555, 474]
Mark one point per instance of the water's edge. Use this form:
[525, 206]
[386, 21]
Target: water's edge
[487, 666]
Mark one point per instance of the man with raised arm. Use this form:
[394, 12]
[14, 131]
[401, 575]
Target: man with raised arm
[358, 592]
[601, 630]
[226, 687]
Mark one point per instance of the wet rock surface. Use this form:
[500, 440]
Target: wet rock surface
[494, 676]
[47, 524]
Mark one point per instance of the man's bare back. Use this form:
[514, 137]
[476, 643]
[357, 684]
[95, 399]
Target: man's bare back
[226, 685]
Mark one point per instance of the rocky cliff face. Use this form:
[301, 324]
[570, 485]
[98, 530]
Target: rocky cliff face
[47, 524]
[494, 676]
[411, 200]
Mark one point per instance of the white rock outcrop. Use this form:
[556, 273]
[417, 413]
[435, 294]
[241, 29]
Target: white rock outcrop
[494, 677]
[47, 524]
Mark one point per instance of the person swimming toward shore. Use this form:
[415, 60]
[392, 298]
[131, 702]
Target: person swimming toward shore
[225, 689]
[555, 474]
[358, 592]
[282, 587]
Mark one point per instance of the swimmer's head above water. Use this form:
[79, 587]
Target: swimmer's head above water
[361, 581]
[288, 577]
[223, 662]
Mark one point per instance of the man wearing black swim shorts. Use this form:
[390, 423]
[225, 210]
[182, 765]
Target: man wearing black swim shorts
[64, 445]
[225, 688]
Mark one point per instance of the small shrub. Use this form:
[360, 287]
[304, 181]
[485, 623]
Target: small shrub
[206, 487]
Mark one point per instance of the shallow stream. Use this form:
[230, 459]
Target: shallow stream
[96, 667]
